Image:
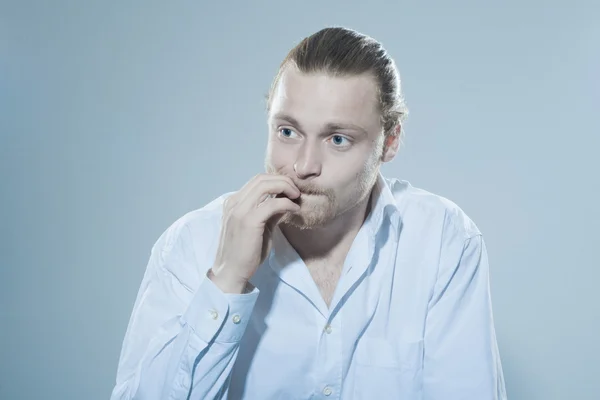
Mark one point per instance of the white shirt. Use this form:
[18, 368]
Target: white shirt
[411, 317]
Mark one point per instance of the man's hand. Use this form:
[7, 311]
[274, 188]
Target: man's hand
[249, 217]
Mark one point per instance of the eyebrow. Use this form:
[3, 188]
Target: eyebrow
[331, 126]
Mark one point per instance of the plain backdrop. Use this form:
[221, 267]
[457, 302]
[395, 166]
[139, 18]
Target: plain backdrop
[117, 118]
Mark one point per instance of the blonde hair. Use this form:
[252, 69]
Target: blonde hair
[340, 51]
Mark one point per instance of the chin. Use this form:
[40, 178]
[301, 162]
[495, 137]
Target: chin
[299, 222]
[305, 219]
[315, 211]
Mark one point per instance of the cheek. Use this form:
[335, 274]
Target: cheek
[356, 179]
[346, 180]
[359, 165]
[279, 155]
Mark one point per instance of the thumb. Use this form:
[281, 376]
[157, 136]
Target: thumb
[272, 223]
[268, 235]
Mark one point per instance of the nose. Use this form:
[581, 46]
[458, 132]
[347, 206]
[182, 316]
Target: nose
[308, 163]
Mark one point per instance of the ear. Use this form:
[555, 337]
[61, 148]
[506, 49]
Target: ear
[391, 145]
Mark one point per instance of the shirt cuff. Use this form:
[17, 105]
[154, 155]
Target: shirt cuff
[212, 312]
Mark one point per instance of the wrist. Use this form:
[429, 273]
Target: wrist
[228, 283]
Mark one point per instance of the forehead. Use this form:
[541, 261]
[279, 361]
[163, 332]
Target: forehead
[320, 98]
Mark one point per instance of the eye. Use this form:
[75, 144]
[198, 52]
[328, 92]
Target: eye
[287, 132]
[339, 140]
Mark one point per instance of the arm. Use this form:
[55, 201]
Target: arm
[180, 344]
[461, 352]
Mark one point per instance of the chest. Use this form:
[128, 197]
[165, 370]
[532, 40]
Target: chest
[375, 336]
[326, 276]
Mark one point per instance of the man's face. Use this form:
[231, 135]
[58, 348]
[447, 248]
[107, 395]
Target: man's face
[325, 133]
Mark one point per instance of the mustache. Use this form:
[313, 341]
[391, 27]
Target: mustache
[303, 187]
[309, 188]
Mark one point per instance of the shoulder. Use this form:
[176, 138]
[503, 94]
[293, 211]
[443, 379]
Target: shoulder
[185, 249]
[201, 223]
[431, 209]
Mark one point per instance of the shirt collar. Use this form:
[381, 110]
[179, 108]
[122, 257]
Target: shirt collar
[383, 205]
[384, 216]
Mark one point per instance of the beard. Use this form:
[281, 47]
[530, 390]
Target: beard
[315, 210]
[318, 205]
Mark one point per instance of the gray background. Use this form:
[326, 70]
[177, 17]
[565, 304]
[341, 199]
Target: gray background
[116, 119]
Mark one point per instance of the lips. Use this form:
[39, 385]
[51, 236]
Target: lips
[281, 195]
[298, 200]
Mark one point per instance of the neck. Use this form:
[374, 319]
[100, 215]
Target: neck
[331, 240]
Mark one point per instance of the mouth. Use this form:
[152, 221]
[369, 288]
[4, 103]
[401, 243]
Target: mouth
[298, 200]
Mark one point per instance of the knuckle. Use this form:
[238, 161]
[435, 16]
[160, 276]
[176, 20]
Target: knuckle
[264, 185]
[230, 203]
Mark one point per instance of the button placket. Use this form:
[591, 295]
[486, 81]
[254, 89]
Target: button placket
[331, 346]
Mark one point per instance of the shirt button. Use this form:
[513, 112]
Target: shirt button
[214, 314]
[327, 391]
[236, 319]
[328, 329]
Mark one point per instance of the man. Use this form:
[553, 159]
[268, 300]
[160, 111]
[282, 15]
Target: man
[320, 278]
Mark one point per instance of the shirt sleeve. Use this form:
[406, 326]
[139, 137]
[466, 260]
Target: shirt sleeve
[180, 343]
[461, 359]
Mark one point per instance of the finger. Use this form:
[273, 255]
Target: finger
[272, 188]
[260, 180]
[237, 197]
[275, 207]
